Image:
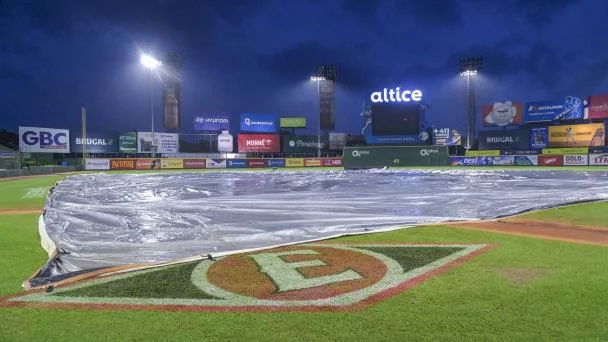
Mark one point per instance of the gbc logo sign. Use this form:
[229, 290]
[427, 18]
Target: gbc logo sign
[34, 139]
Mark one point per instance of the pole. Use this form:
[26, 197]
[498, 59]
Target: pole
[152, 111]
[469, 110]
[84, 135]
[319, 121]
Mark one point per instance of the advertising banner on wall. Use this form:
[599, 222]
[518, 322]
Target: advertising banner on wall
[571, 150]
[275, 162]
[519, 152]
[95, 143]
[215, 163]
[511, 140]
[472, 161]
[147, 164]
[294, 162]
[547, 160]
[127, 142]
[539, 137]
[259, 143]
[122, 164]
[236, 163]
[570, 108]
[382, 156]
[39, 139]
[598, 149]
[313, 162]
[483, 153]
[502, 114]
[332, 161]
[258, 123]
[194, 163]
[302, 143]
[212, 122]
[526, 160]
[598, 107]
[576, 159]
[292, 122]
[447, 137]
[598, 159]
[171, 163]
[337, 141]
[97, 164]
[577, 135]
[164, 142]
[256, 163]
[503, 160]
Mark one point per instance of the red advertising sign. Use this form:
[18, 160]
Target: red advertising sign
[122, 164]
[598, 107]
[502, 113]
[194, 163]
[256, 163]
[332, 162]
[313, 162]
[259, 143]
[147, 164]
[550, 160]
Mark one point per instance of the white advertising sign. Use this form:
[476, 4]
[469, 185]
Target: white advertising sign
[598, 159]
[576, 159]
[97, 164]
[163, 142]
[49, 140]
[216, 163]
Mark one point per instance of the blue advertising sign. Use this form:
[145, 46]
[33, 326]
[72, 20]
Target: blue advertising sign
[260, 123]
[570, 108]
[526, 160]
[212, 122]
[539, 137]
[472, 161]
[96, 143]
[275, 162]
[236, 163]
[598, 149]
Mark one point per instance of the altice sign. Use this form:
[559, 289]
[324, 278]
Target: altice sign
[396, 95]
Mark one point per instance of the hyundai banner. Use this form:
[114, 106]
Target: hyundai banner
[598, 107]
[95, 143]
[303, 143]
[570, 108]
[511, 139]
[539, 137]
[577, 135]
[259, 143]
[163, 142]
[49, 140]
[259, 123]
[212, 122]
[502, 114]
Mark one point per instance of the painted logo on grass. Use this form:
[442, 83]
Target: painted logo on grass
[303, 277]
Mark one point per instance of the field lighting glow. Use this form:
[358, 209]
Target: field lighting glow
[149, 61]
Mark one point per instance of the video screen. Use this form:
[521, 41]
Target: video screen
[395, 119]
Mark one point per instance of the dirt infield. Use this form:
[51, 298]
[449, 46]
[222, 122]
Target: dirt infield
[544, 230]
[20, 211]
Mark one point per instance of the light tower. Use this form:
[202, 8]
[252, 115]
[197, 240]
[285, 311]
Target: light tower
[469, 67]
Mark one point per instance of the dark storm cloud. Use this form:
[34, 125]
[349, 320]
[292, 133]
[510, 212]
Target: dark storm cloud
[431, 12]
[364, 11]
[540, 12]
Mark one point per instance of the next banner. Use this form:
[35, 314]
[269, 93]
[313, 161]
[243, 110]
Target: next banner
[577, 135]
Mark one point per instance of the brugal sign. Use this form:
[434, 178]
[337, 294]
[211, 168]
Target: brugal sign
[396, 95]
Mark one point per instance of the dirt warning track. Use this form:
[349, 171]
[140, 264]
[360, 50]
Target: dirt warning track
[20, 211]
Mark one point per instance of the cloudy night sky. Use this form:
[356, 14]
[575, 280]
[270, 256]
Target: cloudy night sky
[257, 56]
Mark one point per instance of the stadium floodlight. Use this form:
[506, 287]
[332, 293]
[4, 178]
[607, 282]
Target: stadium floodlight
[318, 79]
[149, 61]
[469, 67]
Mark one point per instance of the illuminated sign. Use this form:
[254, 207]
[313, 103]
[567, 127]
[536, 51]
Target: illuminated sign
[396, 95]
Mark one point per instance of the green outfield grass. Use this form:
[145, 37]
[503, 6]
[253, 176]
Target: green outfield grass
[589, 214]
[524, 289]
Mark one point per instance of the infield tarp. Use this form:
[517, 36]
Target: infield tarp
[101, 220]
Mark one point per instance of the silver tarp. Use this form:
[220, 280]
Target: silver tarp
[100, 220]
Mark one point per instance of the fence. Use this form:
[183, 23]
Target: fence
[38, 170]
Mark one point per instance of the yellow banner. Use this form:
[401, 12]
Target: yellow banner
[172, 163]
[294, 162]
[483, 153]
[577, 135]
[572, 150]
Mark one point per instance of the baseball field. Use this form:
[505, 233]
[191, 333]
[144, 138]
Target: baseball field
[539, 276]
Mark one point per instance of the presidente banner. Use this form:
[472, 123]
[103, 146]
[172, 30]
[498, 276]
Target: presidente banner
[163, 142]
[509, 140]
[570, 108]
[337, 141]
[577, 135]
[97, 164]
[502, 114]
[383, 156]
[292, 122]
[303, 143]
[95, 143]
[447, 137]
[212, 122]
[598, 107]
[258, 123]
[539, 137]
[259, 143]
[39, 139]
[127, 142]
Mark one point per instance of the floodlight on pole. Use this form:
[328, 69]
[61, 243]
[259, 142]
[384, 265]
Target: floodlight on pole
[151, 63]
[318, 80]
[469, 67]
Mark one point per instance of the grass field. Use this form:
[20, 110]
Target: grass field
[524, 289]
